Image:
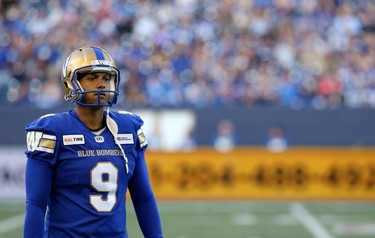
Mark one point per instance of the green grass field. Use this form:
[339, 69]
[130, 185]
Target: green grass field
[237, 219]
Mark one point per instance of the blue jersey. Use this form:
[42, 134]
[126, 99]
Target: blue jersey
[87, 177]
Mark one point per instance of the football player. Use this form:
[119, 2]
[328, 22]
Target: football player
[81, 163]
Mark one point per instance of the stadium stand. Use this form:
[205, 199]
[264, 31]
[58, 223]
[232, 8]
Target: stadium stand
[296, 54]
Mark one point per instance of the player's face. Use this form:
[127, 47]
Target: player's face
[96, 81]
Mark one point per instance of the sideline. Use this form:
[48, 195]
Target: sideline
[11, 223]
[309, 221]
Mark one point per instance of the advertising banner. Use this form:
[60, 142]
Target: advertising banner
[244, 173]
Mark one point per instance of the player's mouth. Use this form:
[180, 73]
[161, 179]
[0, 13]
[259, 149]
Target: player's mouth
[101, 94]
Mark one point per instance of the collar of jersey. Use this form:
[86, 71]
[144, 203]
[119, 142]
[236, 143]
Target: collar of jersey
[74, 114]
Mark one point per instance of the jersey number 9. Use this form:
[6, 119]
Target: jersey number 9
[103, 179]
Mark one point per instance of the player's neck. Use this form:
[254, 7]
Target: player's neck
[92, 117]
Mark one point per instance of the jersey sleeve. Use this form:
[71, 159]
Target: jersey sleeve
[144, 201]
[140, 189]
[41, 140]
[38, 179]
[41, 148]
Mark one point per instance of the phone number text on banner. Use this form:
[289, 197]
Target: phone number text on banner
[301, 173]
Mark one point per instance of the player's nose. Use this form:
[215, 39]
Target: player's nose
[101, 82]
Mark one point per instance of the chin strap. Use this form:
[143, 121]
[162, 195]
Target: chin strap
[113, 128]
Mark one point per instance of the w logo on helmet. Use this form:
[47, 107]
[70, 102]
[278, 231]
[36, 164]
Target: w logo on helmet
[101, 62]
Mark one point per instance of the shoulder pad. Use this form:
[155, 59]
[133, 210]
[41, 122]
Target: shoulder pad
[126, 112]
[41, 137]
[135, 122]
[127, 117]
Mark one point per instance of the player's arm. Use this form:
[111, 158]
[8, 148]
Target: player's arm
[38, 179]
[40, 152]
[143, 198]
[144, 201]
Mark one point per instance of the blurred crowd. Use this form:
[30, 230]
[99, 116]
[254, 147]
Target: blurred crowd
[177, 53]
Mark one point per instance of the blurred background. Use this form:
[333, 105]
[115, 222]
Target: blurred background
[244, 101]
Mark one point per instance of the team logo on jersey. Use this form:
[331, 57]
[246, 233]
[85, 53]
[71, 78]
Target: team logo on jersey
[37, 140]
[141, 138]
[73, 140]
[99, 139]
[125, 138]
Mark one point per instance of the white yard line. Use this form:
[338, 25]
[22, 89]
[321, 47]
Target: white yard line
[11, 223]
[309, 221]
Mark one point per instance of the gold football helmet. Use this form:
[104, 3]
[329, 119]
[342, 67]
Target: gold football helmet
[85, 60]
